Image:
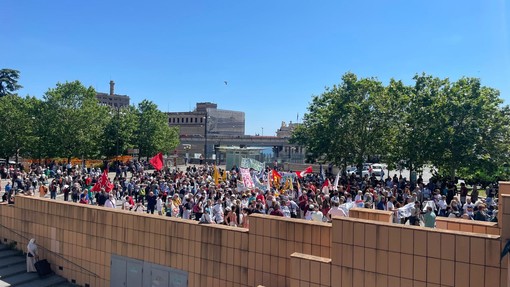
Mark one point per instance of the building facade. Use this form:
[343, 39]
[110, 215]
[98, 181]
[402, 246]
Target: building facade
[113, 100]
[285, 131]
[207, 118]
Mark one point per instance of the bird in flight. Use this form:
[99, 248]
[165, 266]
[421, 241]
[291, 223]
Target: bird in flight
[226, 83]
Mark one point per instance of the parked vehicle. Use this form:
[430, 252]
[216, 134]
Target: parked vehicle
[377, 169]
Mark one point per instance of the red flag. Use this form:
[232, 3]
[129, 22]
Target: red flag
[301, 174]
[103, 182]
[157, 161]
[327, 183]
[276, 175]
[96, 187]
[276, 178]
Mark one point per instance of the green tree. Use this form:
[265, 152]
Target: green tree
[343, 125]
[9, 82]
[16, 126]
[153, 133]
[73, 121]
[472, 129]
[120, 131]
[413, 121]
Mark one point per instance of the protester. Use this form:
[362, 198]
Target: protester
[220, 196]
[110, 202]
[430, 218]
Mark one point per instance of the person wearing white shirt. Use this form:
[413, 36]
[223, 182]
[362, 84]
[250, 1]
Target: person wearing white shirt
[126, 204]
[359, 199]
[316, 215]
[308, 214]
[441, 204]
[469, 208]
[110, 202]
[336, 211]
[159, 205]
[217, 210]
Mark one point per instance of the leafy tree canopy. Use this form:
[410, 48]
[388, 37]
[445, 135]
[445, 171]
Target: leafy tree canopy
[9, 82]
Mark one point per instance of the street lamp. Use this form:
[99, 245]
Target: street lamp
[205, 136]
[117, 132]
[187, 147]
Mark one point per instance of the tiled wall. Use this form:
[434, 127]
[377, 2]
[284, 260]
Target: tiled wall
[214, 255]
[367, 253]
[273, 239]
[309, 270]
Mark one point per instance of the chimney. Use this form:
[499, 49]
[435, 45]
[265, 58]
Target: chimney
[112, 87]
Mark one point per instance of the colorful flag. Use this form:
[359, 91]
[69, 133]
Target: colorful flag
[326, 186]
[288, 184]
[103, 182]
[326, 183]
[301, 174]
[96, 187]
[216, 175]
[247, 180]
[337, 179]
[276, 178]
[157, 161]
[257, 182]
[224, 177]
[251, 163]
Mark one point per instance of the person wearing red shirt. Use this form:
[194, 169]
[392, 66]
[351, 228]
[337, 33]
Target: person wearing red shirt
[276, 210]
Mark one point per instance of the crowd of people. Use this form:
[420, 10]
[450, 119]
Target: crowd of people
[214, 196]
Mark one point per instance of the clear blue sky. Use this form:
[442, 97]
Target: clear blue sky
[274, 54]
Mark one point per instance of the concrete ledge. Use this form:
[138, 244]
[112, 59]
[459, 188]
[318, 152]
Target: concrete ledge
[412, 227]
[459, 224]
[371, 214]
[294, 220]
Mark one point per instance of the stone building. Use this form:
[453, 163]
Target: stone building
[207, 118]
[113, 100]
[285, 131]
